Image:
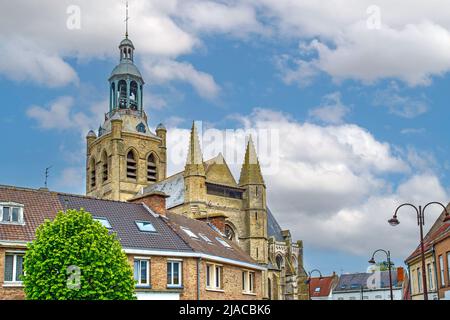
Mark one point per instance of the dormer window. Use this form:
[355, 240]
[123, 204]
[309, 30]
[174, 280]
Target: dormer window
[11, 213]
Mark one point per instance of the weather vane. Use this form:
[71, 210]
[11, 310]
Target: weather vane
[126, 22]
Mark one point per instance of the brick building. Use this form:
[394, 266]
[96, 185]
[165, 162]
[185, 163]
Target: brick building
[126, 160]
[173, 257]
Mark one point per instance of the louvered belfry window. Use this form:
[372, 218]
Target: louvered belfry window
[131, 165]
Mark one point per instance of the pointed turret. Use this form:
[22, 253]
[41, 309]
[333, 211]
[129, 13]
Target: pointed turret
[194, 163]
[251, 170]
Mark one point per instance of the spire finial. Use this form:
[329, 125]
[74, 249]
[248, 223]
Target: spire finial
[126, 23]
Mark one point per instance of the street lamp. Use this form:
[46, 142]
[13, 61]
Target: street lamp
[421, 222]
[309, 280]
[388, 255]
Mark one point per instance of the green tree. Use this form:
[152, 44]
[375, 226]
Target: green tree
[384, 266]
[75, 258]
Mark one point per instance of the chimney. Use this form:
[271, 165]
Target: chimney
[216, 219]
[155, 200]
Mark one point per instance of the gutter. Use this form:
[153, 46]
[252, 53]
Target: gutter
[199, 260]
[13, 244]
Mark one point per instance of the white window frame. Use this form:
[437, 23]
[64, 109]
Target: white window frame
[139, 283]
[249, 282]
[205, 238]
[12, 205]
[14, 281]
[442, 270]
[146, 222]
[223, 242]
[180, 273]
[104, 221]
[214, 276]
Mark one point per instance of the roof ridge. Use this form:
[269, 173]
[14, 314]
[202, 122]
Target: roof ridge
[94, 198]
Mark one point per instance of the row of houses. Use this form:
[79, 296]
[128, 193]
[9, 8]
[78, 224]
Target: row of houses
[406, 285]
[359, 286]
[173, 257]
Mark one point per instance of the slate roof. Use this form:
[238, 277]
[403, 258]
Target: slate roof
[123, 216]
[273, 228]
[325, 284]
[38, 206]
[173, 186]
[354, 281]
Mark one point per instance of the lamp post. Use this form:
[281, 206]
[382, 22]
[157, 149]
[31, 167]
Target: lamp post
[388, 255]
[309, 280]
[421, 222]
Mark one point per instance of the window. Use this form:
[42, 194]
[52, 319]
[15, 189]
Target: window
[442, 271]
[174, 273]
[223, 242]
[145, 226]
[378, 297]
[317, 290]
[13, 267]
[93, 173]
[131, 166]
[248, 282]
[280, 261]
[11, 213]
[204, 237]
[104, 222]
[151, 168]
[105, 172]
[189, 232]
[419, 280]
[229, 233]
[214, 276]
[448, 268]
[223, 191]
[352, 298]
[430, 275]
[142, 272]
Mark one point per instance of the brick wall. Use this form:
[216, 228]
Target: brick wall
[442, 248]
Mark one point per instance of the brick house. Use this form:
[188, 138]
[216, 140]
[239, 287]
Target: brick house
[437, 257]
[321, 288]
[173, 257]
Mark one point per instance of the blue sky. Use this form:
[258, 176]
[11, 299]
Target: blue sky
[362, 113]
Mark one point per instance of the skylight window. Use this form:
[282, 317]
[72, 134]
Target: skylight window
[317, 290]
[104, 222]
[223, 242]
[145, 226]
[189, 232]
[204, 237]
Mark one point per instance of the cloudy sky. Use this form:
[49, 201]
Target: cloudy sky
[353, 92]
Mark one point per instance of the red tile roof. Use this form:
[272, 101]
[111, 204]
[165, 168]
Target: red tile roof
[325, 284]
[38, 206]
[430, 238]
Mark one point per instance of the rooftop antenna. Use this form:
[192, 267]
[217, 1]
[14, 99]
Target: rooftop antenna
[46, 175]
[126, 23]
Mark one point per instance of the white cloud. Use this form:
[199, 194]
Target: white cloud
[163, 71]
[333, 188]
[331, 111]
[400, 104]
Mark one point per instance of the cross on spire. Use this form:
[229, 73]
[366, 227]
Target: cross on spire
[126, 23]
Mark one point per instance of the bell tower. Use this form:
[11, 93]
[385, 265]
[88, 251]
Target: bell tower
[124, 155]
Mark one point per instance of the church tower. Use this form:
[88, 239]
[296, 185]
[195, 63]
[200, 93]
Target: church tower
[254, 206]
[125, 155]
[195, 178]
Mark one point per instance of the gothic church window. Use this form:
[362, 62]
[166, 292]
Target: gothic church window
[131, 165]
[105, 173]
[151, 168]
[229, 233]
[280, 262]
[93, 173]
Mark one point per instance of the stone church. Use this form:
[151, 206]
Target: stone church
[126, 160]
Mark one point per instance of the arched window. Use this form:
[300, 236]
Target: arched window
[152, 171]
[229, 233]
[105, 171]
[113, 95]
[133, 95]
[122, 91]
[93, 173]
[280, 262]
[131, 165]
